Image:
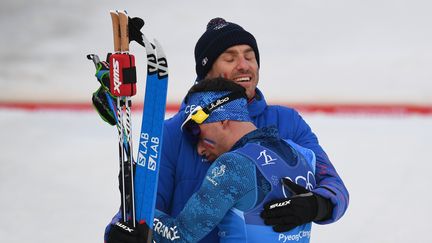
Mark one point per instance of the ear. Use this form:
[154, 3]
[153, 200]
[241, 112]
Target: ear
[225, 124]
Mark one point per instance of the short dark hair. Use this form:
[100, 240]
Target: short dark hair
[217, 84]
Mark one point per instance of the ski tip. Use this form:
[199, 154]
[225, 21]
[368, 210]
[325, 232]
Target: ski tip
[162, 61]
[122, 12]
[158, 47]
[148, 46]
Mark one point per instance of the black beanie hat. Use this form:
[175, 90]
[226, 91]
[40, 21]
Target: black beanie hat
[219, 36]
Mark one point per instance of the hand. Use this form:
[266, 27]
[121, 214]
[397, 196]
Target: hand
[304, 207]
[124, 233]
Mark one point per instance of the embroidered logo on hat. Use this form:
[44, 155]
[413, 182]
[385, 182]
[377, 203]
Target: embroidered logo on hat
[220, 26]
[204, 61]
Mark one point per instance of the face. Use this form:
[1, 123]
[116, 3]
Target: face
[212, 140]
[237, 63]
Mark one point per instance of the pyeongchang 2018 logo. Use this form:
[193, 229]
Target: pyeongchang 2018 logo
[297, 237]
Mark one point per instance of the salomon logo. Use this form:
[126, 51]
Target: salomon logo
[117, 82]
[124, 227]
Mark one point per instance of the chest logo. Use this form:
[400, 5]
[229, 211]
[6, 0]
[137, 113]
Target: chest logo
[268, 160]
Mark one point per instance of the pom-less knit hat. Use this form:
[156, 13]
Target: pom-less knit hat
[219, 36]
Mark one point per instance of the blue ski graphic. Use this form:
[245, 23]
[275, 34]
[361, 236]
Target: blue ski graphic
[150, 142]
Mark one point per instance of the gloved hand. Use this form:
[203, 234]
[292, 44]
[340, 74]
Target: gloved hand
[123, 233]
[304, 207]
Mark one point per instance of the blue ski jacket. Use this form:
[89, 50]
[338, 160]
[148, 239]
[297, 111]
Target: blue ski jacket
[182, 170]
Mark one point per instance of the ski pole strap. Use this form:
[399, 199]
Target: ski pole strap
[129, 75]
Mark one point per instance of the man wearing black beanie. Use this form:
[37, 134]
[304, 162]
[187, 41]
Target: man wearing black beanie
[219, 36]
[227, 50]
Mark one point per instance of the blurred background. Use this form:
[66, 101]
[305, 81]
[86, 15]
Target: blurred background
[58, 167]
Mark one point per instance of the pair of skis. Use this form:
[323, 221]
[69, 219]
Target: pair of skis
[138, 180]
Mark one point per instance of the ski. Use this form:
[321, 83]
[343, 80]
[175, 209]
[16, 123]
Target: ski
[150, 142]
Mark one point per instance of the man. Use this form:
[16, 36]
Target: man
[226, 49]
[250, 166]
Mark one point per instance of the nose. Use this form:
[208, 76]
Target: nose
[242, 63]
[200, 149]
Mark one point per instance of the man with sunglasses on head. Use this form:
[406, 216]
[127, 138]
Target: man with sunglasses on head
[249, 167]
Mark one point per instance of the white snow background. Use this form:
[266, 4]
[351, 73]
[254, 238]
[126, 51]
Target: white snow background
[58, 169]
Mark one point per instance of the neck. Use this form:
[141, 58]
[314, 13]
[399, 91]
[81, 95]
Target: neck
[239, 129]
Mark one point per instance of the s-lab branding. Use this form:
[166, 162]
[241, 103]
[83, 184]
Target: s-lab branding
[302, 234]
[117, 82]
[153, 152]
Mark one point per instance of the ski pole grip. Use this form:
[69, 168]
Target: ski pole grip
[122, 74]
[94, 58]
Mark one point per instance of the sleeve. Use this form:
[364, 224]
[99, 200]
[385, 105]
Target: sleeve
[166, 180]
[226, 182]
[329, 183]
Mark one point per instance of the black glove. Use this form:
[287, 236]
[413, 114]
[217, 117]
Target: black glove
[304, 207]
[124, 233]
[135, 24]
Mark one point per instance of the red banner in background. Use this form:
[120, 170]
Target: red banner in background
[368, 109]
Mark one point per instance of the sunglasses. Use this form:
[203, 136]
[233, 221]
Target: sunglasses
[199, 114]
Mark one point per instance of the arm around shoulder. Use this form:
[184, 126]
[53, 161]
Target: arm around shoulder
[329, 183]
